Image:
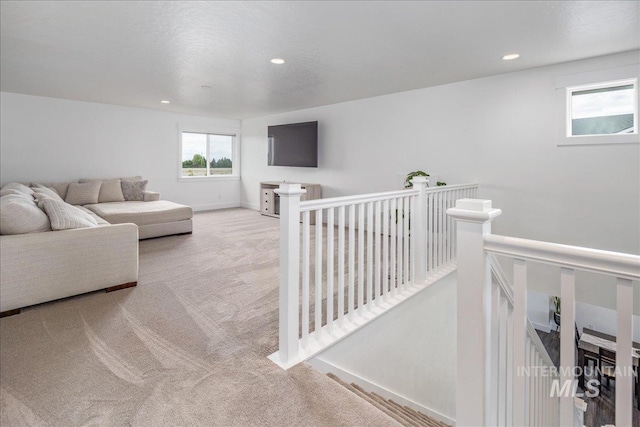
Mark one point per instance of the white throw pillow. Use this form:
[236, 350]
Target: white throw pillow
[19, 215]
[18, 187]
[83, 193]
[40, 192]
[63, 216]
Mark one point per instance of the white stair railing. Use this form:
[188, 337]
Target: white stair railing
[477, 372]
[361, 256]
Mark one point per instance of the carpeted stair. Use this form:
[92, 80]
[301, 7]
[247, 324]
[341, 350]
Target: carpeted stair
[403, 414]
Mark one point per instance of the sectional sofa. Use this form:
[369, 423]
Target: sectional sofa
[64, 239]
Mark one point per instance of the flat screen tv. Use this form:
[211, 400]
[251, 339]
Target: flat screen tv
[294, 145]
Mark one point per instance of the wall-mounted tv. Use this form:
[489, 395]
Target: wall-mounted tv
[294, 145]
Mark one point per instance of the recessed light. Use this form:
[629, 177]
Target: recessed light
[278, 61]
[511, 56]
[165, 102]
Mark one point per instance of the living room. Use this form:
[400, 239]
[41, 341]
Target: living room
[82, 86]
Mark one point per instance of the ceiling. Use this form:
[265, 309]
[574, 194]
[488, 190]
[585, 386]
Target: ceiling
[138, 53]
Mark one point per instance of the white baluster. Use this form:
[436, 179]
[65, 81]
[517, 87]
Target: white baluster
[519, 339]
[340, 265]
[495, 350]
[400, 238]
[567, 342]
[394, 243]
[370, 228]
[330, 270]
[624, 381]
[289, 269]
[509, 368]
[502, 361]
[407, 236]
[361, 261]
[318, 282]
[385, 249]
[305, 278]
[352, 258]
[376, 264]
[430, 233]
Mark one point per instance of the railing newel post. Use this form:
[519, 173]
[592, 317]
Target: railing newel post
[289, 269]
[473, 221]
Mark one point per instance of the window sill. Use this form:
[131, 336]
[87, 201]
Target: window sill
[599, 140]
[209, 178]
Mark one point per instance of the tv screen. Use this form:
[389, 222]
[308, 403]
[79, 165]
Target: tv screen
[294, 145]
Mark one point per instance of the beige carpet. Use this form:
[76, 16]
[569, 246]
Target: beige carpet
[187, 347]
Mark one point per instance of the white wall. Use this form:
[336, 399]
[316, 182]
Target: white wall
[55, 140]
[410, 352]
[499, 131]
[538, 310]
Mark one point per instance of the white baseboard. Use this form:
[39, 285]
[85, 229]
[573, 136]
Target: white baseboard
[248, 205]
[348, 377]
[214, 206]
[539, 326]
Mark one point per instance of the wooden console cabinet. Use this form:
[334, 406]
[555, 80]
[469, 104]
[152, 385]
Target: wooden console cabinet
[270, 201]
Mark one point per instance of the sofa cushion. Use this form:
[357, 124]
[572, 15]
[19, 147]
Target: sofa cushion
[41, 192]
[142, 213]
[18, 187]
[60, 187]
[83, 193]
[124, 178]
[19, 214]
[63, 216]
[134, 190]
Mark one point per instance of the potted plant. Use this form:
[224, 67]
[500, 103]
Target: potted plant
[411, 175]
[556, 312]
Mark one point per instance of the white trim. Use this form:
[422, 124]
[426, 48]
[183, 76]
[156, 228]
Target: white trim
[565, 85]
[349, 377]
[208, 178]
[215, 206]
[541, 327]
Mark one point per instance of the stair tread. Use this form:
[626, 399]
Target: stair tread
[401, 413]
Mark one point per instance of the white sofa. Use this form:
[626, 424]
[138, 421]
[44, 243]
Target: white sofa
[42, 265]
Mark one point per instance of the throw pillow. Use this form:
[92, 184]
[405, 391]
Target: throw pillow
[6, 192]
[134, 190]
[18, 187]
[19, 215]
[83, 193]
[63, 216]
[111, 191]
[40, 192]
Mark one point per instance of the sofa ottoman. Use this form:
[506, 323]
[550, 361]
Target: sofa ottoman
[154, 219]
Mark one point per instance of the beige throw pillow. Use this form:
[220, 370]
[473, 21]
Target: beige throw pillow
[134, 190]
[111, 191]
[83, 193]
[20, 215]
[63, 216]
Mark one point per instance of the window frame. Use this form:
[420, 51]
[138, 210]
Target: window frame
[567, 85]
[235, 150]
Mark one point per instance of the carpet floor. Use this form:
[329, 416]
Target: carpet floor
[187, 347]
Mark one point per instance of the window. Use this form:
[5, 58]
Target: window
[207, 155]
[599, 107]
[602, 109]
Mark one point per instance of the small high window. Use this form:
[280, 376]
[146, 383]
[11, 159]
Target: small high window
[602, 109]
[207, 155]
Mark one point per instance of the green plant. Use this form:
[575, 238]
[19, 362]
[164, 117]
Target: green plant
[440, 184]
[556, 304]
[411, 175]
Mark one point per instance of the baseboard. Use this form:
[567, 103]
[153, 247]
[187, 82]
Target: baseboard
[248, 205]
[541, 327]
[348, 377]
[214, 206]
